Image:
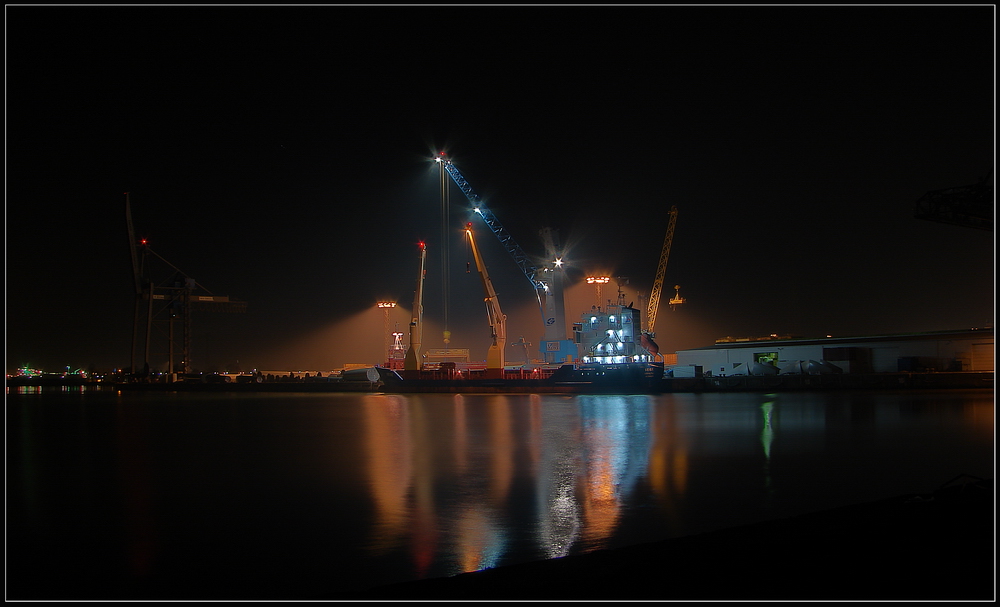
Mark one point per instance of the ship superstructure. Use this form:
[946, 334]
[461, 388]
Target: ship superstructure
[611, 334]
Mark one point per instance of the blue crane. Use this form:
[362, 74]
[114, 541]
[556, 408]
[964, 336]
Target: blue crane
[554, 347]
[508, 242]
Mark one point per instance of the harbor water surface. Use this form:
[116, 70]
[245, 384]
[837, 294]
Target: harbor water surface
[258, 495]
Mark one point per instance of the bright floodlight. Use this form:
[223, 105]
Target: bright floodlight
[559, 262]
[386, 304]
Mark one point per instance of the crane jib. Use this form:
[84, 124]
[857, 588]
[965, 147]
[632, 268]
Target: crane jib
[512, 248]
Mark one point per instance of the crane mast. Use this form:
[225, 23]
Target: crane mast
[555, 347]
[661, 270]
[412, 360]
[498, 321]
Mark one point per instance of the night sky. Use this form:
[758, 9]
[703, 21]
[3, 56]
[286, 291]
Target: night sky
[282, 156]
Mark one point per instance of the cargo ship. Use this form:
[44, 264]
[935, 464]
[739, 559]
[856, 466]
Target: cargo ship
[587, 378]
[613, 355]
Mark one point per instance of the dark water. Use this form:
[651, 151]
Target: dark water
[307, 495]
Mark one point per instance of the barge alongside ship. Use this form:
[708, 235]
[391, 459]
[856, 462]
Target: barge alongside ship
[626, 378]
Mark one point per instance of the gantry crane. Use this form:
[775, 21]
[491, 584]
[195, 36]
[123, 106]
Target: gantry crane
[661, 270]
[412, 360]
[164, 304]
[495, 359]
[546, 283]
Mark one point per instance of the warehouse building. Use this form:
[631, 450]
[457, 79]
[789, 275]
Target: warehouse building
[946, 351]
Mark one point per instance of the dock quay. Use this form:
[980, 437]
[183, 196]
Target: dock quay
[779, 383]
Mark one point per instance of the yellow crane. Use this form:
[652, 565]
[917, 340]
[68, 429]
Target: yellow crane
[661, 271]
[495, 358]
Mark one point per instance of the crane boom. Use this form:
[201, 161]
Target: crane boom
[498, 321]
[546, 282]
[661, 270]
[136, 272]
[508, 242]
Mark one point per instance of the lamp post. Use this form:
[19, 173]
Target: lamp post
[597, 281]
[386, 307]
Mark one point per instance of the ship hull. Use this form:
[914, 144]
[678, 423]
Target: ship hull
[631, 378]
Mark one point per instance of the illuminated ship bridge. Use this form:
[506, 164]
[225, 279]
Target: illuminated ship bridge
[611, 335]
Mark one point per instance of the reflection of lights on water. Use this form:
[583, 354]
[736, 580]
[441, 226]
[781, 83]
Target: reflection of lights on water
[479, 540]
[767, 434]
[580, 491]
[558, 470]
[390, 466]
[767, 437]
[561, 527]
[616, 445]
[479, 537]
[494, 550]
[460, 447]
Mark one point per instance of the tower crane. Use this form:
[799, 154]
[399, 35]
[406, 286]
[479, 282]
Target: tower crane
[661, 270]
[412, 360]
[498, 320]
[546, 283]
